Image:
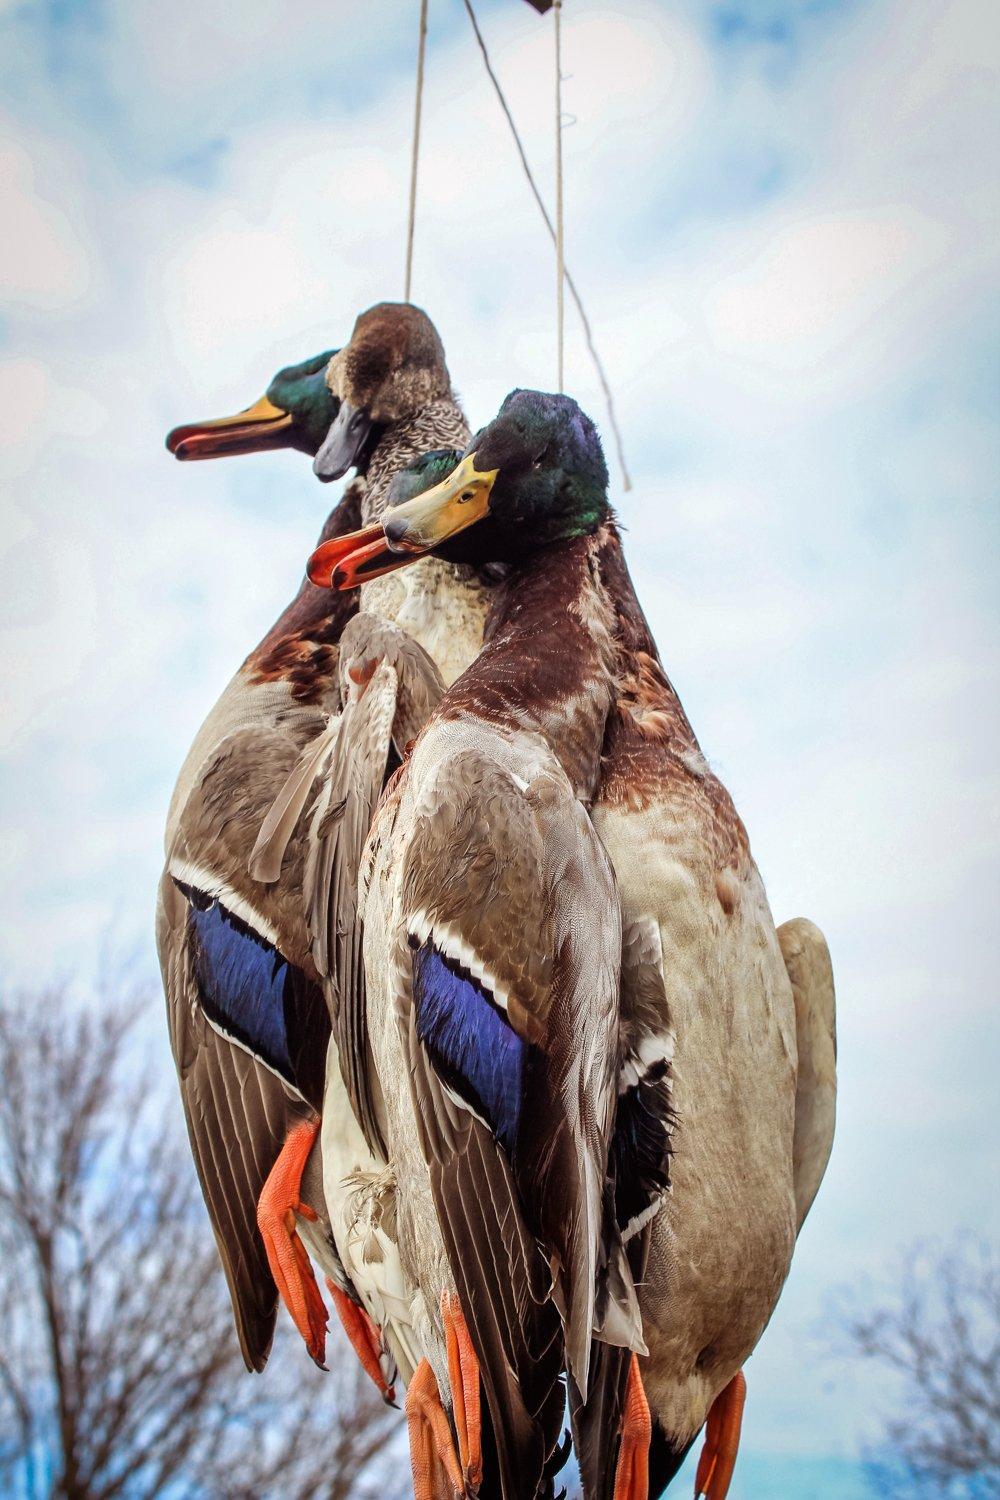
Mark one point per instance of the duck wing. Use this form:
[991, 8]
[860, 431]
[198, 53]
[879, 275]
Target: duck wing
[222, 1085]
[389, 688]
[807, 960]
[638, 1175]
[509, 1020]
[249, 1027]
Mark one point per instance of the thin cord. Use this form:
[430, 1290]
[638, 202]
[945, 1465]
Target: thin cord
[415, 154]
[560, 236]
[578, 302]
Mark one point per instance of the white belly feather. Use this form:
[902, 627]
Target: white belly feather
[443, 608]
[361, 1201]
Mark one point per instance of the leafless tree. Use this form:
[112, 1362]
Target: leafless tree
[120, 1375]
[939, 1336]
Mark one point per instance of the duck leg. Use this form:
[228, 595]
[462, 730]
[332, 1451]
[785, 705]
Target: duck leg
[433, 1460]
[632, 1472]
[722, 1440]
[366, 1340]
[291, 1268]
[463, 1373]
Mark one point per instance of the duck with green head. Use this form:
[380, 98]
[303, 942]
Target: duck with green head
[721, 1027]
[255, 937]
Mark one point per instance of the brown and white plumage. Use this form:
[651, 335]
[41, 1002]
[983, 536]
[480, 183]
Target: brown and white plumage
[747, 1020]
[252, 894]
[723, 1021]
[483, 863]
[238, 1110]
[726, 1063]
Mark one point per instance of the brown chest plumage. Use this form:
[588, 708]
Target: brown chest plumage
[301, 648]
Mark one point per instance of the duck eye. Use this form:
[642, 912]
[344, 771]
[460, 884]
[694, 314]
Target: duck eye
[466, 496]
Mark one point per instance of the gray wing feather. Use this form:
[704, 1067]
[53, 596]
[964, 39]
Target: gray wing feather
[508, 880]
[503, 1281]
[390, 686]
[237, 1117]
[807, 960]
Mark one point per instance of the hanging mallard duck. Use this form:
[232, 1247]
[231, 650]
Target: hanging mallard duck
[725, 1078]
[252, 989]
[474, 992]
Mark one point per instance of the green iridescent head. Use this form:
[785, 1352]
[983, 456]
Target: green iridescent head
[296, 412]
[533, 477]
[422, 474]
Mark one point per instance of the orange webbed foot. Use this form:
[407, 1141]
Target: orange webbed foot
[632, 1472]
[291, 1268]
[365, 1337]
[463, 1373]
[722, 1441]
[434, 1462]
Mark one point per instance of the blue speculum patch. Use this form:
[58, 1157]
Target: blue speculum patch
[470, 1042]
[243, 982]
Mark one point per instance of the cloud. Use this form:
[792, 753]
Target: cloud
[788, 268]
[819, 289]
[44, 264]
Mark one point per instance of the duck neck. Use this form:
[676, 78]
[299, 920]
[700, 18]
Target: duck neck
[442, 606]
[647, 716]
[438, 424]
[301, 645]
[548, 661]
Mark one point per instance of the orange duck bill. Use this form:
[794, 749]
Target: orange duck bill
[345, 562]
[261, 426]
[406, 532]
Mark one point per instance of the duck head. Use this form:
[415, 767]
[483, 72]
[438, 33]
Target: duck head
[296, 411]
[533, 477]
[393, 366]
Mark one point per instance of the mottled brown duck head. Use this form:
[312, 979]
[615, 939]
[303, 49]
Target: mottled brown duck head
[393, 366]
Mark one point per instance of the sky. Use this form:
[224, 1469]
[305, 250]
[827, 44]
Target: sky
[783, 217]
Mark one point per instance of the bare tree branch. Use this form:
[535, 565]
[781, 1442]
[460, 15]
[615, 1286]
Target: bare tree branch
[939, 1335]
[120, 1372]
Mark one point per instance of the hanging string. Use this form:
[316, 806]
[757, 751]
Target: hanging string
[566, 278]
[418, 105]
[560, 240]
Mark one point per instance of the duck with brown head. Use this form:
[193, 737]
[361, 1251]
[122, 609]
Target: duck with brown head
[391, 376]
[255, 932]
[395, 402]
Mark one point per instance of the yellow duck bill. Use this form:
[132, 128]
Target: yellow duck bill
[406, 532]
[261, 426]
